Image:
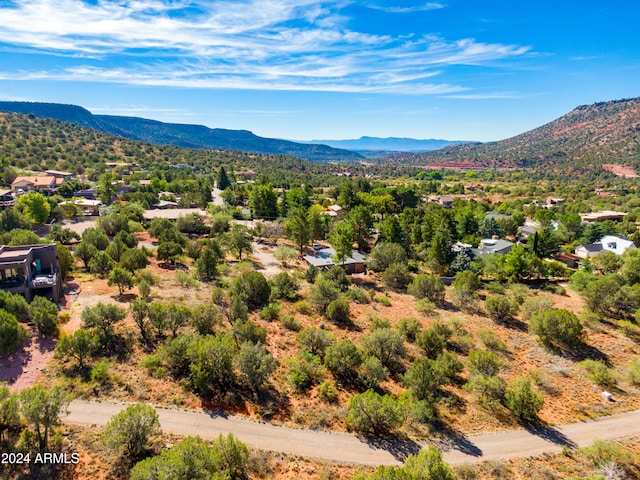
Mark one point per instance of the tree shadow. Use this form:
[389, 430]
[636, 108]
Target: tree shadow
[451, 439]
[549, 434]
[399, 448]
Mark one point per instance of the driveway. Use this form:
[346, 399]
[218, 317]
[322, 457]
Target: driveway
[346, 448]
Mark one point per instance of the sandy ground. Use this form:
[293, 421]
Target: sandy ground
[21, 369]
[264, 255]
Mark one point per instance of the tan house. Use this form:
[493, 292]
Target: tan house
[42, 184]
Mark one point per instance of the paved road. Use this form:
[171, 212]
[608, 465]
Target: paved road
[342, 447]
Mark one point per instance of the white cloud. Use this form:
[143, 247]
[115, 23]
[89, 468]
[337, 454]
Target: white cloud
[255, 44]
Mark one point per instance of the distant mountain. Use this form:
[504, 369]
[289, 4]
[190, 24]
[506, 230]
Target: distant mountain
[584, 139]
[390, 144]
[181, 135]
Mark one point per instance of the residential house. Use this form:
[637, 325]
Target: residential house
[89, 208]
[492, 245]
[324, 258]
[88, 193]
[60, 177]
[608, 243]
[570, 260]
[31, 270]
[42, 184]
[7, 198]
[602, 216]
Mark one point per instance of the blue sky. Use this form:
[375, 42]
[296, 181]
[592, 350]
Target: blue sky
[303, 69]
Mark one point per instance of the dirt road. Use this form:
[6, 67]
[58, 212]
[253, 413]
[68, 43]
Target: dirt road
[341, 447]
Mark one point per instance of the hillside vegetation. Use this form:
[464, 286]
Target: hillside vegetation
[578, 142]
[181, 135]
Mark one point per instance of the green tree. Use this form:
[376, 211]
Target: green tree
[79, 346]
[263, 202]
[101, 264]
[484, 362]
[427, 286]
[35, 207]
[323, 292]
[342, 237]
[122, 279]
[500, 308]
[284, 286]
[12, 333]
[134, 259]
[252, 287]
[338, 311]
[239, 240]
[557, 327]
[523, 400]
[103, 317]
[342, 359]
[139, 309]
[298, 228]
[256, 364]
[386, 254]
[9, 411]
[423, 379]
[207, 265]
[85, 251]
[370, 412]
[132, 429]
[169, 251]
[65, 259]
[223, 181]
[386, 345]
[396, 276]
[211, 363]
[41, 409]
[44, 315]
[284, 254]
[106, 188]
[315, 340]
[362, 221]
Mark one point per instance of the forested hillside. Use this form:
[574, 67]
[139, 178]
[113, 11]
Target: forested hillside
[584, 139]
[180, 135]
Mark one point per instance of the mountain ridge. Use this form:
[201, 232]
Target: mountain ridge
[586, 137]
[180, 135]
[388, 144]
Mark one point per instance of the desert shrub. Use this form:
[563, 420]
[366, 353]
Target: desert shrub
[342, 359]
[557, 327]
[252, 288]
[425, 306]
[634, 372]
[327, 392]
[338, 311]
[409, 327]
[291, 323]
[256, 364]
[377, 321]
[492, 341]
[100, 372]
[305, 369]
[599, 373]
[271, 312]
[249, 331]
[370, 412]
[386, 345]
[322, 293]
[383, 300]
[372, 372]
[358, 295]
[12, 333]
[315, 340]
[284, 286]
[304, 308]
[534, 305]
[483, 362]
[14, 304]
[489, 388]
[427, 286]
[44, 315]
[630, 329]
[500, 308]
[338, 276]
[132, 429]
[396, 276]
[523, 400]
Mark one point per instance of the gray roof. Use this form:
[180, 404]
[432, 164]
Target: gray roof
[488, 246]
[324, 258]
[591, 247]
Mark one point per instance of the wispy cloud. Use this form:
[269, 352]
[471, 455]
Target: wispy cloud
[408, 9]
[246, 44]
